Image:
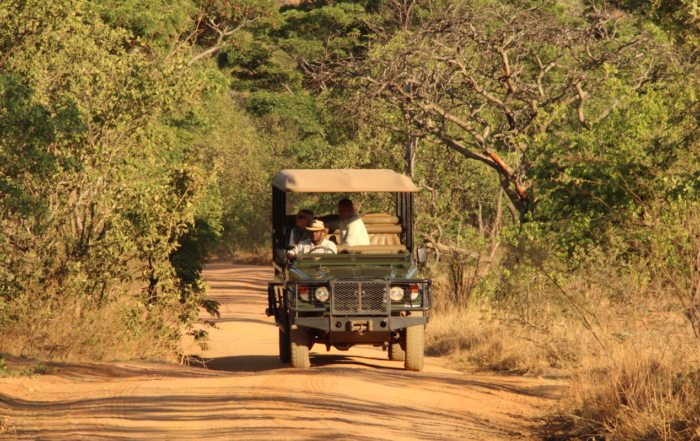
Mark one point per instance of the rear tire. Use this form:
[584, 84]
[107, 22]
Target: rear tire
[300, 348]
[415, 348]
[285, 346]
[396, 352]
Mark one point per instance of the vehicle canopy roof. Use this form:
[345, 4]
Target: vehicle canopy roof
[342, 181]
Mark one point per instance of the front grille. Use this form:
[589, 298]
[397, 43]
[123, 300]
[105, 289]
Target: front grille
[359, 298]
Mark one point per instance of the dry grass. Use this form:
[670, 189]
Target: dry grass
[477, 341]
[73, 333]
[635, 393]
[256, 257]
[632, 360]
[261, 258]
[251, 254]
[487, 335]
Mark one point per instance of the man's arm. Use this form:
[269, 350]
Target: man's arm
[298, 249]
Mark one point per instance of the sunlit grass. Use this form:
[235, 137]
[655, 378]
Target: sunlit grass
[632, 368]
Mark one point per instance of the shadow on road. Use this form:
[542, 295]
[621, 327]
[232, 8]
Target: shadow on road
[338, 360]
[246, 363]
[262, 363]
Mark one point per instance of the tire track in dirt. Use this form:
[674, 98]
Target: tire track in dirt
[247, 393]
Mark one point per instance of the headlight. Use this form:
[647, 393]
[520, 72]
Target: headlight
[303, 292]
[322, 294]
[396, 293]
[415, 291]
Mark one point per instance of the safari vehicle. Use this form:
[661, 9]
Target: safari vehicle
[364, 295]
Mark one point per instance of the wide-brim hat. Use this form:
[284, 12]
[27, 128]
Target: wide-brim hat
[316, 225]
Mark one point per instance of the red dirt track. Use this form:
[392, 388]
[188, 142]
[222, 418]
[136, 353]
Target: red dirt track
[248, 394]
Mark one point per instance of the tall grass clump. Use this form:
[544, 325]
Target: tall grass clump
[637, 393]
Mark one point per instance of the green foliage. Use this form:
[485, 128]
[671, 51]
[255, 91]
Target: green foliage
[455, 195]
[248, 152]
[301, 111]
[102, 189]
[27, 129]
[614, 173]
[255, 67]
[151, 23]
[38, 368]
[678, 17]
[317, 33]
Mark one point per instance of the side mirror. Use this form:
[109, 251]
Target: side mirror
[422, 255]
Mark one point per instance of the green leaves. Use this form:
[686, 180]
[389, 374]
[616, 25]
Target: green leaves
[103, 187]
[616, 171]
[152, 23]
[333, 30]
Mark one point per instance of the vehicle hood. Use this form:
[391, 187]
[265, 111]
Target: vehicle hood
[323, 272]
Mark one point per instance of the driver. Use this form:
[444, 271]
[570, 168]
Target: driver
[316, 244]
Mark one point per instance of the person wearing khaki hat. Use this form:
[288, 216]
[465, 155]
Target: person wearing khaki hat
[317, 244]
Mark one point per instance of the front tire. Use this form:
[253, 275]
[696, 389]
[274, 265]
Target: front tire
[415, 348]
[396, 352]
[300, 348]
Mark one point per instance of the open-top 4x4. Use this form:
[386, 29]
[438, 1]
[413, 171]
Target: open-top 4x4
[368, 294]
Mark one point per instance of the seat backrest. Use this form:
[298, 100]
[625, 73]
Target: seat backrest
[382, 229]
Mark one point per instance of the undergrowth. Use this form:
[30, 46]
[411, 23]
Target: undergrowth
[624, 339]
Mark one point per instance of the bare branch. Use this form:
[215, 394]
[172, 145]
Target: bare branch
[579, 108]
[223, 36]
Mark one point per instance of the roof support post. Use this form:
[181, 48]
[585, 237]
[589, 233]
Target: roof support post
[404, 209]
[279, 218]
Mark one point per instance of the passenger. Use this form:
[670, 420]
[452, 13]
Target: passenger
[316, 244]
[352, 229]
[303, 218]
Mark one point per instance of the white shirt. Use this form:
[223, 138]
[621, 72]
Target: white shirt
[297, 235]
[353, 231]
[306, 246]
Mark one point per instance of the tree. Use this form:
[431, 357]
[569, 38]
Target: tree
[100, 183]
[486, 79]
[220, 20]
[205, 26]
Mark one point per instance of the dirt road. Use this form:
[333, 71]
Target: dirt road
[248, 394]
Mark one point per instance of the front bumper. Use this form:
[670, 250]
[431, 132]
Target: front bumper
[359, 323]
